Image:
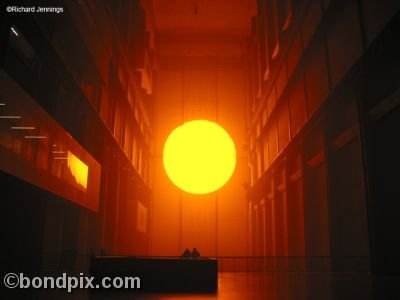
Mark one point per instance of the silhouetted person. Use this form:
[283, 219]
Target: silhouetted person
[186, 253]
[195, 253]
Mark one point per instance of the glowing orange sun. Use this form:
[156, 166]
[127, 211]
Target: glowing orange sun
[199, 157]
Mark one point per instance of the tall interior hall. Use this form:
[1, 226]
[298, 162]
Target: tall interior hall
[309, 92]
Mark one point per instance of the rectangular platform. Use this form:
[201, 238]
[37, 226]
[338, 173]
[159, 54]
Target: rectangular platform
[161, 274]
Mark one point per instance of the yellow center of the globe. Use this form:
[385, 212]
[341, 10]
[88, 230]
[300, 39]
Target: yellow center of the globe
[199, 157]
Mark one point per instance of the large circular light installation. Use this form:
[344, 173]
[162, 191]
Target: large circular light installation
[199, 157]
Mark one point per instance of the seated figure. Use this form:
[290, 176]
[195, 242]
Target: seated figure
[195, 253]
[186, 253]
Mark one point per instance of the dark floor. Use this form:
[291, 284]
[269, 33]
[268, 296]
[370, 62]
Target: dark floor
[273, 286]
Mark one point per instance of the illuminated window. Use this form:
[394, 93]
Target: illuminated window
[78, 169]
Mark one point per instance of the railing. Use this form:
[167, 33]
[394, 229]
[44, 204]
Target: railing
[232, 264]
[293, 264]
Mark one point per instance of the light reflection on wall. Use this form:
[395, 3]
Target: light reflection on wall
[78, 169]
